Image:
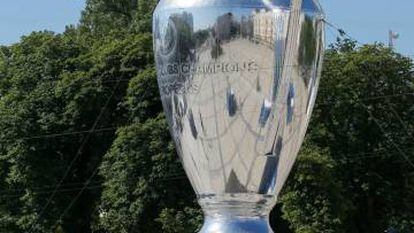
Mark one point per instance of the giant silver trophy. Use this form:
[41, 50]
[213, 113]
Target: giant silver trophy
[238, 81]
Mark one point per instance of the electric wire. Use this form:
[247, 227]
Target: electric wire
[97, 184]
[79, 152]
[89, 180]
[401, 152]
[67, 209]
[110, 129]
[361, 100]
[55, 135]
[405, 126]
[92, 186]
[341, 31]
[100, 183]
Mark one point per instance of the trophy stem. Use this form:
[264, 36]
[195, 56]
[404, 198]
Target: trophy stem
[236, 213]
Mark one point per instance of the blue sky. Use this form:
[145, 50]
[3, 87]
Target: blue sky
[365, 20]
[370, 20]
[20, 17]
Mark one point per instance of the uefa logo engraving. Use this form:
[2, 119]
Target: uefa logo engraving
[169, 39]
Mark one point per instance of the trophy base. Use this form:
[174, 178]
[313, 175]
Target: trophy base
[236, 213]
[236, 225]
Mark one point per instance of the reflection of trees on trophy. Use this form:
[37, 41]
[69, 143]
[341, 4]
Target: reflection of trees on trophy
[201, 37]
[308, 48]
[184, 24]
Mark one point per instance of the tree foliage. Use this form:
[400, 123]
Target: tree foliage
[364, 116]
[318, 192]
[55, 93]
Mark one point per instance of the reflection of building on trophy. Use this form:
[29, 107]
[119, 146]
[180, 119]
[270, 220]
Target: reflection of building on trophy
[184, 26]
[264, 27]
[226, 27]
[246, 27]
[308, 46]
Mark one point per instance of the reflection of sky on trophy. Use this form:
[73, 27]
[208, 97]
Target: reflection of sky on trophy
[185, 3]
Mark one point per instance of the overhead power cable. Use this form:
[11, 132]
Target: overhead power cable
[390, 140]
[87, 183]
[17, 193]
[341, 31]
[79, 152]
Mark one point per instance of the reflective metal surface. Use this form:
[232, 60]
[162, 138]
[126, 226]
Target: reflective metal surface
[238, 80]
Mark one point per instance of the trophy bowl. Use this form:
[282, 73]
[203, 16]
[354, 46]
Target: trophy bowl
[238, 81]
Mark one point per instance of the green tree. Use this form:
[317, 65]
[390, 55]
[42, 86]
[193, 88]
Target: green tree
[188, 220]
[54, 88]
[103, 17]
[143, 176]
[314, 200]
[364, 116]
